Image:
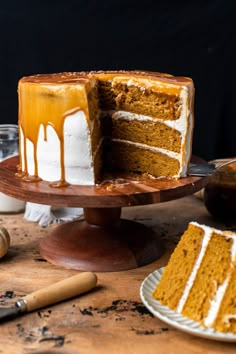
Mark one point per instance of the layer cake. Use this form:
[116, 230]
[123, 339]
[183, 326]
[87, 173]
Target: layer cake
[73, 126]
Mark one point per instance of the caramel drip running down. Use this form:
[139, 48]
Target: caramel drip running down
[45, 133]
[62, 182]
[47, 105]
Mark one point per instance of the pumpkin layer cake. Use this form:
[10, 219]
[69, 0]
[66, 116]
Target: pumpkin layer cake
[200, 279]
[69, 122]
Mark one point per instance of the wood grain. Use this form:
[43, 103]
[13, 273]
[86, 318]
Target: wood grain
[117, 190]
[121, 246]
[110, 319]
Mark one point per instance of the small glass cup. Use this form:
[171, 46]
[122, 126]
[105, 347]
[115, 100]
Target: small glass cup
[9, 148]
[220, 192]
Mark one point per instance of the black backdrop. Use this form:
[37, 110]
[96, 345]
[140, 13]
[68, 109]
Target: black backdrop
[187, 38]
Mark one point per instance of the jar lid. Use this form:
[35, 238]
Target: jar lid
[8, 132]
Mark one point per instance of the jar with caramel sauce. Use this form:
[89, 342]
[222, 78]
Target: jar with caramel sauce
[220, 192]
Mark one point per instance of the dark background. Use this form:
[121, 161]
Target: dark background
[186, 38]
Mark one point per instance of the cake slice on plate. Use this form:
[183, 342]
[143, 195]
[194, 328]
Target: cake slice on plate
[199, 280]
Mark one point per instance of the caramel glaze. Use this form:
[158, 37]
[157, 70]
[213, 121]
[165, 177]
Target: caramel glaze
[48, 104]
[47, 99]
[69, 77]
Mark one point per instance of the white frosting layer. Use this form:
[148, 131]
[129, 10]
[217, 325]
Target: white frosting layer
[77, 152]
[216, 302]
[173, 154]
[177, 124]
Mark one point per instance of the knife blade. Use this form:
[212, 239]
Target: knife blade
[201, 169]
[52, 294]
[207, 169]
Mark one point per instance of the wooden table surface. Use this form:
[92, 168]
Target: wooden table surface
[109, 319]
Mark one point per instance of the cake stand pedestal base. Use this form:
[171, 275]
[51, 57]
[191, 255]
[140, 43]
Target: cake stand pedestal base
[101, 242]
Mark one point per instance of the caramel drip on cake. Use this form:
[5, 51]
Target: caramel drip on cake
[62, 182]
[46, 105]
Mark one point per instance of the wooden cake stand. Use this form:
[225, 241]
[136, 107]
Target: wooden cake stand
[102, 241]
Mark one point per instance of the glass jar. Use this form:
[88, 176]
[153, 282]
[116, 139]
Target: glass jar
[9, 148]
[220, 192]
[8, 141]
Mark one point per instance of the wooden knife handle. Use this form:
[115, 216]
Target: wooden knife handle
[62, 290]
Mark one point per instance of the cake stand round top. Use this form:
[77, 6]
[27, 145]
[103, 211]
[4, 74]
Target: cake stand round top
[118, 190]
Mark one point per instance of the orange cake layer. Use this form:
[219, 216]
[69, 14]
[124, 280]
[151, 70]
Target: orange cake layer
[140, 160]
[200, 279]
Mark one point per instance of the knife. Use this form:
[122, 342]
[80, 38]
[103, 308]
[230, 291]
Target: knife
[201, 169]
[52, 294]
[207, 169]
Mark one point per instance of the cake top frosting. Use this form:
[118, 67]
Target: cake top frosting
[70, 77]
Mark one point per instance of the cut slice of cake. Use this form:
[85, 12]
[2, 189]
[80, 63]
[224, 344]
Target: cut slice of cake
[145, 118]
[199, 280]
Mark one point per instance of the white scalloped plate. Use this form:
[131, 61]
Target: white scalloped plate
[171, 317]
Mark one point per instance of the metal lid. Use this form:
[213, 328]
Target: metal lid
[8, 132]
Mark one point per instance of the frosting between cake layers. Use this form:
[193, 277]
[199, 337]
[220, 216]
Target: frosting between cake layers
[179, 124]
[216, 302]
[172, 154]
